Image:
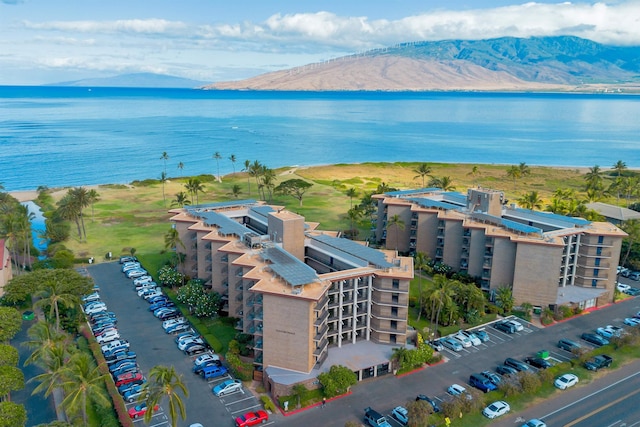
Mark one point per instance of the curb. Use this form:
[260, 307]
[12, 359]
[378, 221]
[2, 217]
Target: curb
[315, 405]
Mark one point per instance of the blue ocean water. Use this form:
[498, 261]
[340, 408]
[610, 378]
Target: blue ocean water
[58, 136]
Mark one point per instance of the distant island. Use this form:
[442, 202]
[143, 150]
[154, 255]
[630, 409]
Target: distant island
[554, 64]
[143, 80]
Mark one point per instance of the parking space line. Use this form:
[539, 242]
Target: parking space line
[239, 401]
[246, 409]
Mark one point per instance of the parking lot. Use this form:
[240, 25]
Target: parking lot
[155, 347]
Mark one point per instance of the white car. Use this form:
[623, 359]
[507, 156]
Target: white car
[565, 381]
[516, 324]
[145, 291]
[91, 297]
[456, 390]
[143, 279]
[204, 358]
[114, 344]
[168, 323]
[130, 266]
[108, 337]
[182, 345]
[622, 287]
[496, 409]
[229, 386]
[96, 308]
[472, 337]
[148, 295]
[463, 340]
[133, 274]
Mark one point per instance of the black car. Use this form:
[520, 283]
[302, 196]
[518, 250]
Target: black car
[538, 362]
[169, 314]
[594, 339]
[195, 348]
[506, 370]
[504, 327]
[516, 364]
[430, 401]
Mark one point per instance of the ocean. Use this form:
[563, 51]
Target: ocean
[70, 136]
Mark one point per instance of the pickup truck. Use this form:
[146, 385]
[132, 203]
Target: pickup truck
[598, 362]
[375, 419]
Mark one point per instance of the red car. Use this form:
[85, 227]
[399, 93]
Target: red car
[252, 419]
[128, 378]
[140, 410]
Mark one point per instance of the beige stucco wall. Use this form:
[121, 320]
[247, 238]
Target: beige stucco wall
[537, 270]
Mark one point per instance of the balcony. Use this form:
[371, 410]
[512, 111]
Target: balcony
[321, 347]
[321, 319]
[321, 333]
[322, 303]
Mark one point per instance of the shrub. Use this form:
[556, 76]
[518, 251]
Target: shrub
[529, 382]
[267, 403]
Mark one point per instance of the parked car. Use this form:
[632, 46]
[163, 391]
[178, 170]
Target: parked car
[569, 345]
[173, 329]
[134, 393]
[122, 389]
[196, 348]
[463, 340]
[633, 291]
[516, 364]
[517, 325]
[632, 321]
[436, 345]
[172, 322]
[112, 345]
[565, 381]
[130, 378]
[401, 414]
[252, 419]
[204, 358]
[197, 369]
[96, 308]
[472, 337]
[482, 334]
[538, 362]
[161, 303]
[213, 371]
[635, 276]
[142, 279]
[458, 390]
[139, 410]
[128, 266]
[431, 401]
[494, 378]
[91, 297]
[598, 362]
[133, 274]
[147, 291]
[121, 355]
[496, 409]
[607, 332]
[451, 344]
[621, 287]
[226, 387]
[507, 328]
[153, 300]
[121, 364]
[127, 258]
[374, 418]
[124, 370]
[482, 383]
[107, 337]
[168, 314]
[594, 339]
[184, 343]
[506, 370]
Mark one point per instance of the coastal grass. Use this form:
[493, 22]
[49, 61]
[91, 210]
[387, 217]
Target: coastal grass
[137, 215]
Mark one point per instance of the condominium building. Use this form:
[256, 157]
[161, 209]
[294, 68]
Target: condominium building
[299, 292]
[547, 259]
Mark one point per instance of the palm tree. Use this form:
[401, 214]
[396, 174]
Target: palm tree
[68, 209]
[423, 170]
[632, 228]
[181, 200]
[442, 182]
[420, 262]
[530, 200]
[43, 339]
[233, 162]
[351, 193]
[247, 167]
[630, 187]
[474, 173]
[181, 167]
[83, 384]
[255, 170]
[504, 298]
[217, 156]
[524, 169]
[236, 190]
[163, 180]
[268, 182]
[594, 178]
[164, 157]
[194, 186]
[165, 382]
[514, 173]
[53, 365]
[619, 167]
[93, 197]
[54, 295]
[172, 240]
[398, 224]
[441, 295]
[354, 214]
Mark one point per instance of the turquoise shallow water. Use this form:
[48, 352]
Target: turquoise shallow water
[80, 136]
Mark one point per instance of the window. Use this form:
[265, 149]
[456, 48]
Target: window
[394, 324]
[600, 240]
[599, 250]
[392, 338]
[597, 262]
[394, 311]
[594, 283]
[396, 284]
[394, 298]
[596, 272]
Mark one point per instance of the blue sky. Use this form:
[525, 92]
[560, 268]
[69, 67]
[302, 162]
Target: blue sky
[47, 41]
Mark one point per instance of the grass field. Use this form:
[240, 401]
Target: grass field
[136, 215]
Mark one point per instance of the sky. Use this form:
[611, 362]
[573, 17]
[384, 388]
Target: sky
[49, 41]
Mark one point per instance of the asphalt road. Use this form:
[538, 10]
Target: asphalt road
[154, 347]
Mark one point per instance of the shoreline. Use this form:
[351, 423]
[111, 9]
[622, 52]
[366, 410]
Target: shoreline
[29, 195]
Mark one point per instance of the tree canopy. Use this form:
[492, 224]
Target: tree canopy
[10, 323]
[294, 187]
[337, 381]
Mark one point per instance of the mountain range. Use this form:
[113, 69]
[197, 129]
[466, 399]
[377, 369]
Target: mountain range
[150, 80]
[562, 63]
